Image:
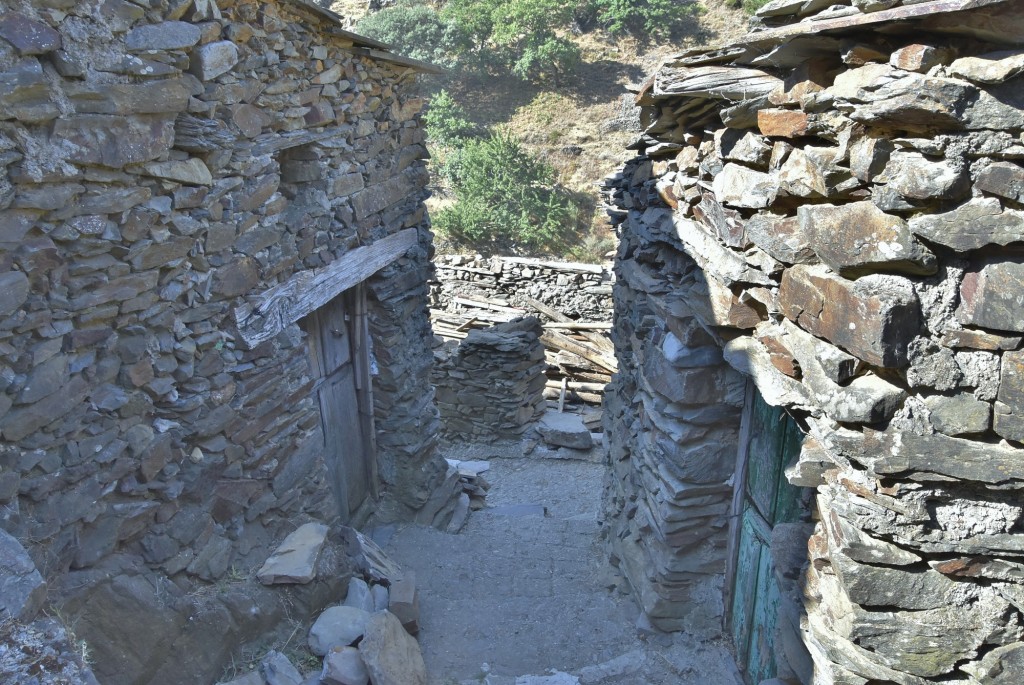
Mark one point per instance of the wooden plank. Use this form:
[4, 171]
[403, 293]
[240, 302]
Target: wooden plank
[576, 385]
[280, 306]
[577, 267]
[576, 326]
[598, 340]
[558, 341]
[467, 301]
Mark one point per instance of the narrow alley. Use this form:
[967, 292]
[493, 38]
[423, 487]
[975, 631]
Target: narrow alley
[525, 594]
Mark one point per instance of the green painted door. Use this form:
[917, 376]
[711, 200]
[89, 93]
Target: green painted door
[768, 499]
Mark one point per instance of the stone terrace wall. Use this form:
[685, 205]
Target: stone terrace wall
[580, 291]
[161, 162]
[836, 205]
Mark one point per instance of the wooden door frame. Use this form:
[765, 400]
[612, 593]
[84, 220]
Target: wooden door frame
[359, 337]
[736, 508]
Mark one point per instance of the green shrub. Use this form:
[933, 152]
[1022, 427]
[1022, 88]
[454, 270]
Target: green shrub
[506, 200]
[644, 19]
[448, 125]
[417, 30]
[751, 6]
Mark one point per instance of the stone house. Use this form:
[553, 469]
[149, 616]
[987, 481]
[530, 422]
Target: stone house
[213, 315]
[815, 432]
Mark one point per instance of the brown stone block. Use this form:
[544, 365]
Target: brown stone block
[783, 123]
[874, 318]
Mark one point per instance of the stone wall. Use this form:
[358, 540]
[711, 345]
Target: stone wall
[580, 291]
[490, 384]
[162, 164]
[833, 210]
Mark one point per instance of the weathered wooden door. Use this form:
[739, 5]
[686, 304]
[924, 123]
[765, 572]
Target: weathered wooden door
[337, 343]
[764, 498]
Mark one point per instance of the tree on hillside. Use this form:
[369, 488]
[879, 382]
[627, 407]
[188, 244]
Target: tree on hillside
[521, 36]
[415, 29]
[644, 19]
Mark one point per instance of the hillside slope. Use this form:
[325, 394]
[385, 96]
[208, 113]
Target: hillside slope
[582, 125]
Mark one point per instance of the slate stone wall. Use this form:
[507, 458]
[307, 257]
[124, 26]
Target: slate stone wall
[580, 291]
[160, 163]
[490, 384]
[836, 215]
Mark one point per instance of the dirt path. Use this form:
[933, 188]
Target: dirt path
[522, 594]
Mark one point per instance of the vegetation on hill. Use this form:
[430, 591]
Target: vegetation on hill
[544, 108]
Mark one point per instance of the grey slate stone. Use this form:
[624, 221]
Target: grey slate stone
[168, 35]
[973, 225]
[959, 415]
[857, 238]
[565, 430]
[22, 589]
[278, 670]
[337, 626]
[989, 296]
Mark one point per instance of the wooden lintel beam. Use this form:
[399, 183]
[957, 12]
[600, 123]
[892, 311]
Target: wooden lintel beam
[271, 312]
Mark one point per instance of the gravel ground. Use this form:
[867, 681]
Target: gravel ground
[524, 595]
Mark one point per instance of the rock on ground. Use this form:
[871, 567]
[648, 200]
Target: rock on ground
[391, 655]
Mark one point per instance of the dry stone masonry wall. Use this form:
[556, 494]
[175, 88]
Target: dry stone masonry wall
[832, 208]
[162, 164]
[580, 291]
[490, 384]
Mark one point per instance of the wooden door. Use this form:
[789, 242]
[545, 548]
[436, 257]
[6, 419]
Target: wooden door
[764, 498]
[337, 343]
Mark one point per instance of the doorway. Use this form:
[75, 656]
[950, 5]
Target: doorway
[339, 354]
[763, 499]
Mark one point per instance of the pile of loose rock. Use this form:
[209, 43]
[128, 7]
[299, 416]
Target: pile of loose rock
[366, 639]
[490, 384]
[834, 208]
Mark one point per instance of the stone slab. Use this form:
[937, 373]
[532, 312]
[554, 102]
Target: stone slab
[337, 626]
[295, 559]
[990, 296]
[565, 430]
[873, 318]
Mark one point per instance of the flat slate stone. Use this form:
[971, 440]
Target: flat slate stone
[28, 36]
[168, 35]
[990, 296]
[972, 225]
[858, 238]
[565, 430]
[1004, 179]
[938, 457]
[295, 559]
[22, 589]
